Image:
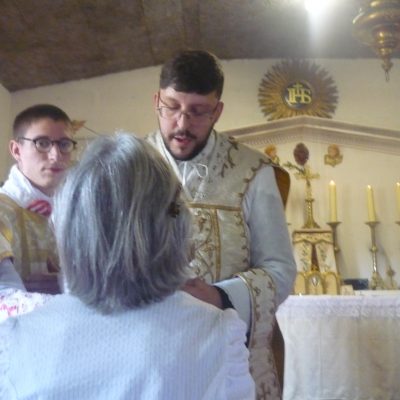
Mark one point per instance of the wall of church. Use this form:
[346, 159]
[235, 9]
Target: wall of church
[5, 131]
[124, 101]
[359, 168]
[370, 157]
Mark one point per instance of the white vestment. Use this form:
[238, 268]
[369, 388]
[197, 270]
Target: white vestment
[241, 238]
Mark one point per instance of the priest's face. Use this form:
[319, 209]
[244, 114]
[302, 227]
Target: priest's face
[186, 120]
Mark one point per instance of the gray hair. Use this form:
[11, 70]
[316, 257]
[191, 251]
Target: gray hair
[122, 238]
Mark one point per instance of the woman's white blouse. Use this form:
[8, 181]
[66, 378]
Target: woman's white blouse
[180, 348]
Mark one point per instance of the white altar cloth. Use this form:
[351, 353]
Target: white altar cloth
[341, 347]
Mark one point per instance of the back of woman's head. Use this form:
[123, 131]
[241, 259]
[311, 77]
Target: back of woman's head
[121, 239]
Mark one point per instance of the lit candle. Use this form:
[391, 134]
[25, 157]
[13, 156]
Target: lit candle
[370, 204]
[398, 195]
[332, 202]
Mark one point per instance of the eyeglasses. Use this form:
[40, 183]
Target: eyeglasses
[175, 113]
[44, 144]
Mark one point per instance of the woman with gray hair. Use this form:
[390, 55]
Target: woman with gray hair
[123, 329]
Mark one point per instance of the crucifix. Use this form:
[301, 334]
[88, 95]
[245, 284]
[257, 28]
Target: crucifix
[306, 174]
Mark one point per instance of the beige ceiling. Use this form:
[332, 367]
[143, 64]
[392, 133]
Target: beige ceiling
[51, 41]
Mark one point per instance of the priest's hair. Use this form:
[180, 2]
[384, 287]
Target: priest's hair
[122, 235]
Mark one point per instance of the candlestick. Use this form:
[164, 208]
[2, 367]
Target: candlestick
[310, 222]
[398, 196]
[334, 225]
[371, 205]
[376, 279]
[336, 248]
[391, 284]
[332, 202]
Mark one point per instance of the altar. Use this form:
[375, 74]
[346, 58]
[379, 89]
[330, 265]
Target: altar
[341, 347]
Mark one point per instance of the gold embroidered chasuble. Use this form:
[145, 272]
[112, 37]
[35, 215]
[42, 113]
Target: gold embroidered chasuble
[26, 237]
[221, 245]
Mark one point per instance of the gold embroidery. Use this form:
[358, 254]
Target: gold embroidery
[219, 254]
[32, 242]
[213, 206]
[261, 162]
[262, 298]
[217, 247]
[206, 244]
[6, 232]
[229, 159]
[5, 254]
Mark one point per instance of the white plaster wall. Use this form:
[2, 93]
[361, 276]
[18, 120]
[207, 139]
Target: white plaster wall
[5, 131]
[364, 97]
[124, 101]
[108, 103]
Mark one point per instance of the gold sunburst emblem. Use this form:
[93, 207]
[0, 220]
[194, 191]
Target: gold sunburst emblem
[296, 87]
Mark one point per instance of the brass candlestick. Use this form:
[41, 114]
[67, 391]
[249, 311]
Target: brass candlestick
[392, 284]
[310, 222]
[307, 176]
[334, 225]
[376, 282]
[336, 249]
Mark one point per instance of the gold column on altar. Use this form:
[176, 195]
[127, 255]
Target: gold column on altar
[314, 247]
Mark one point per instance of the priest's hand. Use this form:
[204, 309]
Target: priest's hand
[203, 291]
